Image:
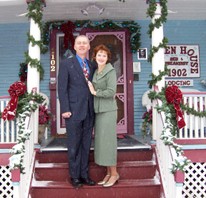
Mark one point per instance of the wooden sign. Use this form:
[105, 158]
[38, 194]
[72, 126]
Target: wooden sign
[182, 61]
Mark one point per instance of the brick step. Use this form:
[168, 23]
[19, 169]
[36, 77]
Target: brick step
[126, 169]
[122, 155]
[138, 188]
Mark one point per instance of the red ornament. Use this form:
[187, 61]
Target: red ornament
[15, 90]
[174, 96]
[68, 28]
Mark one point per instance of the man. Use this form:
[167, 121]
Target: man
[76, 104]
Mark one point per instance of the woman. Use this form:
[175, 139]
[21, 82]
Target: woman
[103, 87]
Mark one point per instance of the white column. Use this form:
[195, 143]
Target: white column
[158, 59]
[157, 63]
[34, 53]
[33, 76]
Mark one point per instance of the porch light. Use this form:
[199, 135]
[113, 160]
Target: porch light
[85, 11]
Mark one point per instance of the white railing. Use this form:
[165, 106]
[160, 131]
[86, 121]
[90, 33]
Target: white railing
[28, 161]
[8, 129]
[195, 126]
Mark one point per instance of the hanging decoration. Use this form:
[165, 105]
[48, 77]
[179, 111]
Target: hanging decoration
[103, 25]
[174, 96]
[67, 29]
[15, 90]
[23, 72]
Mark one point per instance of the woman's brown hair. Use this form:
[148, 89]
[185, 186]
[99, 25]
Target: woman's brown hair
[101, 48]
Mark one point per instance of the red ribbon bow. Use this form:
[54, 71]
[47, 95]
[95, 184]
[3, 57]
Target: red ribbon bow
[174, 96]
[68, 28]
[15, 90]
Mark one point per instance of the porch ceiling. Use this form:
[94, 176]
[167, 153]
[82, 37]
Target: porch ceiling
[11, 10]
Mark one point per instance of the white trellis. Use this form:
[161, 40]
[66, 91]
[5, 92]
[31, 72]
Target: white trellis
[195, 181]
[6, 187]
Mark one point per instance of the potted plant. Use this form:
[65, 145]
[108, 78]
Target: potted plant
[44, 119]
[147, 123]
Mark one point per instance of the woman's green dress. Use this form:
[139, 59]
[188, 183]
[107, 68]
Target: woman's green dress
[105, 142]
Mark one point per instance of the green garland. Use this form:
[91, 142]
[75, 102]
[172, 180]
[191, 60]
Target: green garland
[157, 23]
[34, 63]
[104, 25]
[155, 49]
[157, 78]
[25, 98]
[35, 12]
[151, 13]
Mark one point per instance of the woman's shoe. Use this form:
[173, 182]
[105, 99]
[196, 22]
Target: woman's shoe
[107, 184]
[104, 181]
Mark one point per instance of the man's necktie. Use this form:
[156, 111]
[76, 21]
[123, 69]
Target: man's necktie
[85, 71]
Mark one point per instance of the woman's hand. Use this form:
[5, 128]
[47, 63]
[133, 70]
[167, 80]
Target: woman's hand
[91, 88]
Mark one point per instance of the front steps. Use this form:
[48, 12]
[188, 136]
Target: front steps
[137, 170]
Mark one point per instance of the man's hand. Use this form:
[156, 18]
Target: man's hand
[66, 114]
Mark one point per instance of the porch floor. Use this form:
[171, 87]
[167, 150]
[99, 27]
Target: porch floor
[124, 142]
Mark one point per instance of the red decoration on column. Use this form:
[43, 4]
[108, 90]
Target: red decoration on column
[15, 90]
[68, 28]
[174, 96]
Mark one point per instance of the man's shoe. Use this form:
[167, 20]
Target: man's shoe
[88, 181]
[76, 183]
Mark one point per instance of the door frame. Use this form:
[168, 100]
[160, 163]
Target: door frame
[53, 77]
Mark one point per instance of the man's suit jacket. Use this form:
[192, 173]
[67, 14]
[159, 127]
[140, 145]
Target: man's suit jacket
[74, 94]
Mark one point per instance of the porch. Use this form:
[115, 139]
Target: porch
[192, 136]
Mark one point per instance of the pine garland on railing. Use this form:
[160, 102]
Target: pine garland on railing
[24, 110]
[170, 129]
[169, 132]
[192, 111]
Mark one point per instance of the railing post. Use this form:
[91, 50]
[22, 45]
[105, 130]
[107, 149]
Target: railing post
[15, 178]
[179, 179]
[179, 190]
